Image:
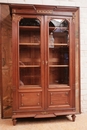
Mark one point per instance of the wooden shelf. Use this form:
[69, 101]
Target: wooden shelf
[38, 27]
[33, 28]
[28, 66]
[61, 44]
[30, 86]
[37, 44]
[58, 85]
[58, 65]
[30, 44]
[60, 28]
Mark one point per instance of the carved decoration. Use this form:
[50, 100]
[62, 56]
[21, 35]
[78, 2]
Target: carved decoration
[16, 18]
[39, 17]
[44, 11]
[73, 17]
[68, 20]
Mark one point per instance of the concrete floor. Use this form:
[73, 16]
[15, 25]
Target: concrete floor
[59, 123]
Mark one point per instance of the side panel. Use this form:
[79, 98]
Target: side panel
[6, 61]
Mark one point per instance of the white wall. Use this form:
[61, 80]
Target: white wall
[83, 36]
[81, 3]
[83, 41]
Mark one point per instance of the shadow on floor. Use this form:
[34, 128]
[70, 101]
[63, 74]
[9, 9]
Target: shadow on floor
[45, 120]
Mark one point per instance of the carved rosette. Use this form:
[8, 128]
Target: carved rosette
[16, 18]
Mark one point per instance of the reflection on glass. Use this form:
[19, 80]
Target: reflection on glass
[58, 52]
[51, 40]
[29, 55]
[29, 76]
[29, 22]
[29, 52]
[58, 75]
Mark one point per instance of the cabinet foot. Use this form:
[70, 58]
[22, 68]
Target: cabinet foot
[73, 117]
[14, 121]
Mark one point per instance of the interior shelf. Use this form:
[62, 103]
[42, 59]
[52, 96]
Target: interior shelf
[38, 27]
[36, 44]
[58, 85]
[58, 65]
[60, 28]
[30, 44]
[60, 44]
[33, 28]
[29, 86]
[26, 66]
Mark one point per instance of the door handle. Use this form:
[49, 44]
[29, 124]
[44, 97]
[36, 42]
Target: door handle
[46, 62]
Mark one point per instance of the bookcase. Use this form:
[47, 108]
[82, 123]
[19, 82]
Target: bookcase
[43, 42]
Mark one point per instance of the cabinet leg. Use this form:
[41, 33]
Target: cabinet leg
[14, 121]
[73, 117]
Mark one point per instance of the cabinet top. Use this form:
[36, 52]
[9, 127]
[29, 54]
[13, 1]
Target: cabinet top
[42, 9]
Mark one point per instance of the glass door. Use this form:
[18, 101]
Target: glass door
[59, 67]
[58, 53]
[29, 53]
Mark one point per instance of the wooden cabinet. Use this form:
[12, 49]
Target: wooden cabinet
[43, 41]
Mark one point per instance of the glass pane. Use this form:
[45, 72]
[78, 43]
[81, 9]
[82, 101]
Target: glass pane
[30, 76]
[29, 52]
[58, 75]
[58, 52]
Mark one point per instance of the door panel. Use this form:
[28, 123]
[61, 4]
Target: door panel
[30, 100]
[59, 67]
[58, 99]
[30, 63]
